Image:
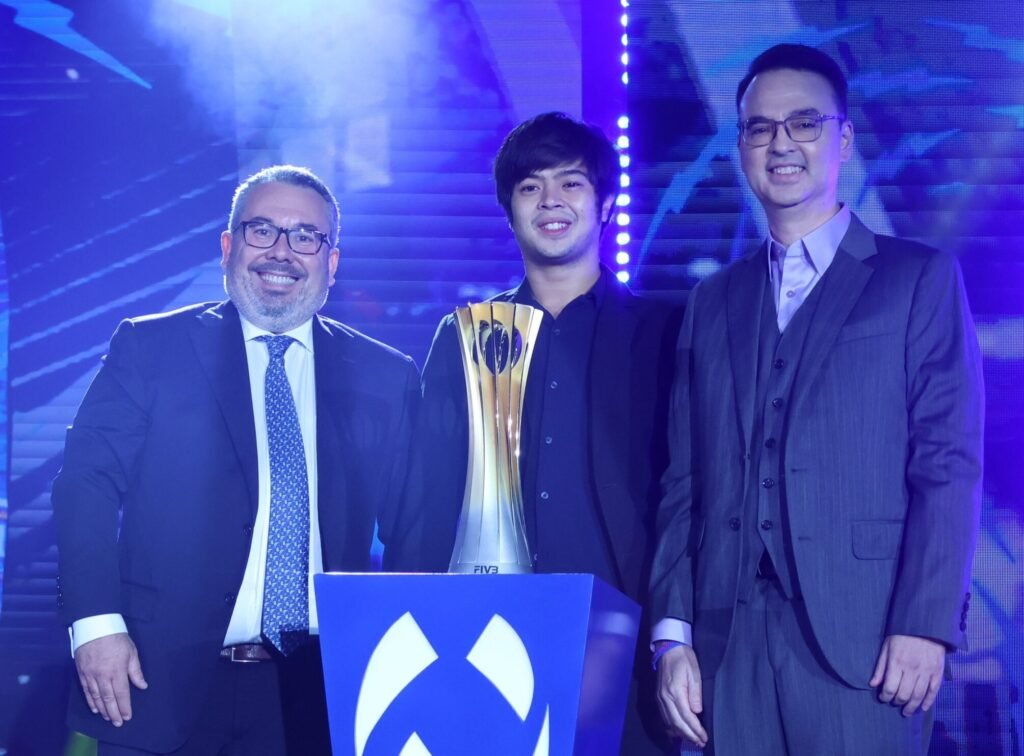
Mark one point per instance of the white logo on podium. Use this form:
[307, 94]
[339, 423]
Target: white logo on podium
[403, 654]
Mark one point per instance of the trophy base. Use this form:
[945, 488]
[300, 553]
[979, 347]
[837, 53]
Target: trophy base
[501, 568]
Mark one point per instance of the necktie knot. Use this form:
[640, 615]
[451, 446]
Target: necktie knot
[276, 345]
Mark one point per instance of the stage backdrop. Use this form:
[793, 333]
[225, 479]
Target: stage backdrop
[125, 125]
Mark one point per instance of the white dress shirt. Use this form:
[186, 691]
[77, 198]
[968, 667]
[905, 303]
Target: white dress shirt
[794, 271]
[246, 618]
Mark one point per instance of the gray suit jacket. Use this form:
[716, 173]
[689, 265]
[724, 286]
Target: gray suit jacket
[881, 454]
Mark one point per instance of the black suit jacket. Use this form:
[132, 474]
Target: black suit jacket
[881, 453]
[158, 492]
[629, 377]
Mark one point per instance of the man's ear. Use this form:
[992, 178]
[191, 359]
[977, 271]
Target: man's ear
[332, 265]
[606, 209]
[225, 248]
[846, 141]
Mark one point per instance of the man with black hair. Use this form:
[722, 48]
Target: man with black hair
[594, 435]
[224, 454]
[820, 509]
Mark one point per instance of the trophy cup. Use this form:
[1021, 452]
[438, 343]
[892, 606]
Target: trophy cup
[497, 340]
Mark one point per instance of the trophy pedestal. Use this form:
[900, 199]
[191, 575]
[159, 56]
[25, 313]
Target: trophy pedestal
[470, 664]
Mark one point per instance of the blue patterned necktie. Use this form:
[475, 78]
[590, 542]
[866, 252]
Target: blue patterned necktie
[286, 585]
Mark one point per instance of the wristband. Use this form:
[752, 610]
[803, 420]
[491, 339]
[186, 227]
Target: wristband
[663, 649]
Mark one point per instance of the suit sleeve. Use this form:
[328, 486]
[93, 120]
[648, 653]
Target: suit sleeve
[671, 587]
[944, 466]
[395, 465]
[99, 461]
[437, 464]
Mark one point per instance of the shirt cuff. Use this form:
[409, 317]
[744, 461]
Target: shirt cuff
[672, 629]
[91, 628]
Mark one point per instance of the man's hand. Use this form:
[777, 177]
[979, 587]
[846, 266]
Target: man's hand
[105, 666]
[909, 671]
[679, 694]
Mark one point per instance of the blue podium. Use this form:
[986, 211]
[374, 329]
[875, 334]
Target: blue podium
[453, 665]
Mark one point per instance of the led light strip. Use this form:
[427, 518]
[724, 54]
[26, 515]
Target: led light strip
[622, 214]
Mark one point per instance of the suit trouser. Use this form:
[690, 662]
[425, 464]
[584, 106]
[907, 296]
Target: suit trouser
[272, 708]
[774, 693]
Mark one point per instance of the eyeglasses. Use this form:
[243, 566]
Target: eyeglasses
[263, 235]
[757, 132]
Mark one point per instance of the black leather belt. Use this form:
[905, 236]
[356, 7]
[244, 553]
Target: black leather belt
[247, 653]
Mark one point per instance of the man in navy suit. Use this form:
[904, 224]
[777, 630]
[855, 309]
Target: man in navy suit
[821, 506]
[224, 454]
[594, 419]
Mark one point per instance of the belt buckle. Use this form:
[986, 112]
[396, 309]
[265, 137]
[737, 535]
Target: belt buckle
[235, 655]
[240, 659]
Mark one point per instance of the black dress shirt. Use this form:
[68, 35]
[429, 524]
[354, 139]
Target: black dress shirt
[565, 531]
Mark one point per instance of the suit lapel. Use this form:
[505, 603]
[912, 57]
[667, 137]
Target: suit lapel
[745, 298]
[220, 349]
[843, 284]
[610, 366]
[333, 370]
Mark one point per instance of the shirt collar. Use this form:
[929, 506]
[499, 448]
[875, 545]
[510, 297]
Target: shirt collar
[302, 333]
[595, 294]
[819, 246]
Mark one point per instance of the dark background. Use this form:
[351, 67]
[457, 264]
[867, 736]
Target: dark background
[126, 124]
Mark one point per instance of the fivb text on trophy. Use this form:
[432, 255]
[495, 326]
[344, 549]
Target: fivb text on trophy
[497, 340]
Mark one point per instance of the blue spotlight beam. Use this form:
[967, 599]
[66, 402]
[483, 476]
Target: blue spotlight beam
[53, 21]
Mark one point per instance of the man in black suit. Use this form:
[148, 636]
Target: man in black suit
[593, 442]
[224, 454]
[821, 506]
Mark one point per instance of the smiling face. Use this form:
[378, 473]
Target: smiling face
[276, 288]
[555, 216]
[796, 182]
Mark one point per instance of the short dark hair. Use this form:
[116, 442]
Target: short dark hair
[285, 174]
[797, 58]
[550, 140]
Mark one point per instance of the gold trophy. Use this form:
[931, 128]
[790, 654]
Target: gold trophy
[497, 340]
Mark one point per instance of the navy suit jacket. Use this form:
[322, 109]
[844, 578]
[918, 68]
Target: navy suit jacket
[881, 453]
[158, 492]
[630, 375]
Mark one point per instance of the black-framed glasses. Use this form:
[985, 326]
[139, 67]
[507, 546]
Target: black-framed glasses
[264, 235]
[757, 132]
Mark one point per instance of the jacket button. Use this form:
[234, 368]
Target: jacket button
[769, 443]
[779, 364]
[766, 524]
[777, 402]
[229, 598]
[247, 529]
[768, 483]
[734, 523]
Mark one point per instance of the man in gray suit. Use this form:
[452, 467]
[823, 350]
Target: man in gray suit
[820, 510]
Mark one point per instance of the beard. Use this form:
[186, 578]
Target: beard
[269, 312]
